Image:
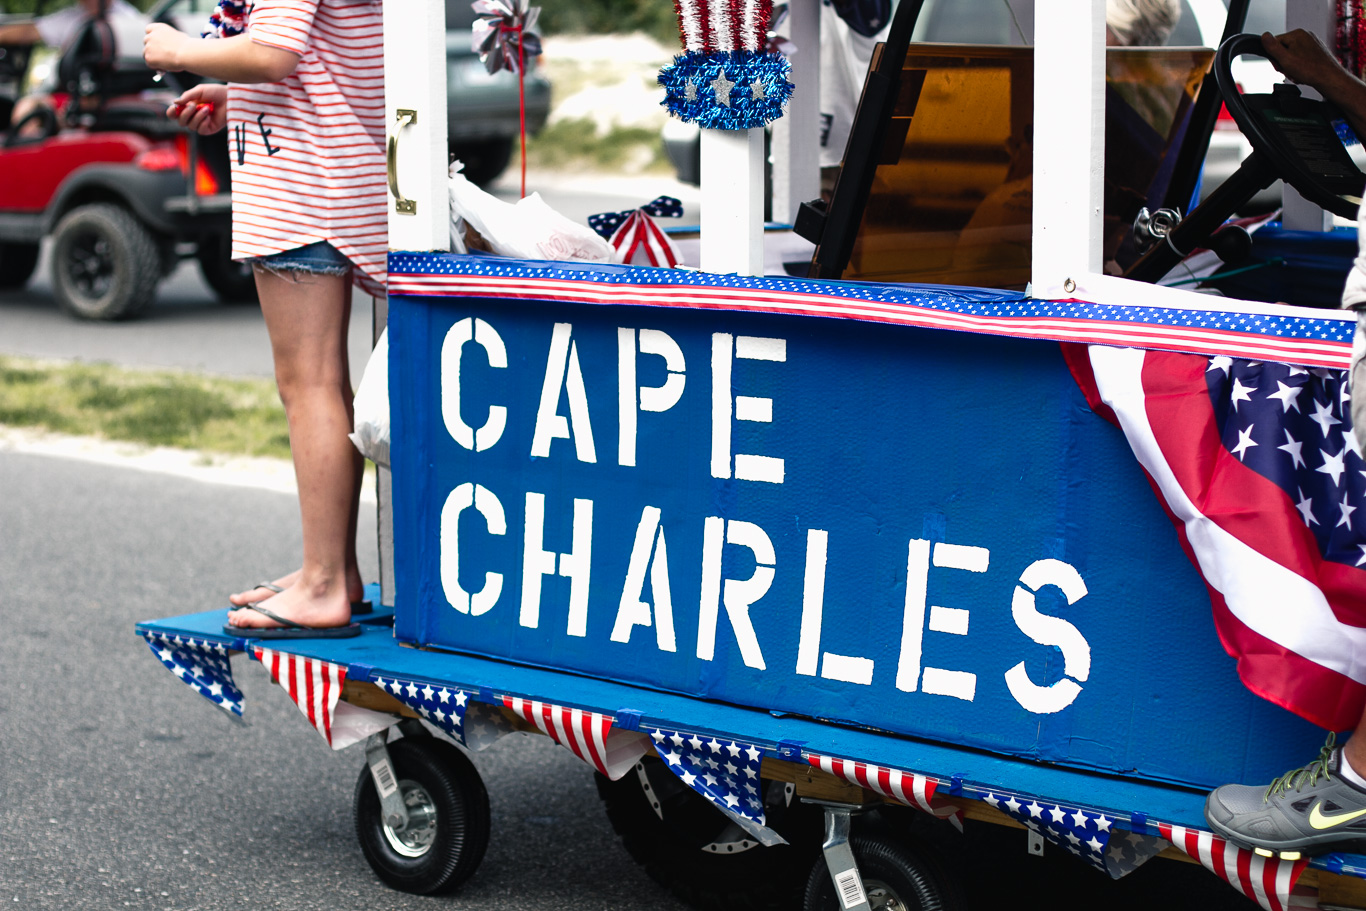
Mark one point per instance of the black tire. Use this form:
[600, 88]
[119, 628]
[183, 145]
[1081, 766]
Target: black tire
[105, 263]
[233, 282]
[484, 160]
[894, 876]
[693, 850]
[441, 788]
[17, 262]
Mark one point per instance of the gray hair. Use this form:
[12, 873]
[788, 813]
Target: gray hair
[1145, 23]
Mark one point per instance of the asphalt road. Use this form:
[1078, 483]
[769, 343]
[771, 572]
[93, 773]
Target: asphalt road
[119, 787]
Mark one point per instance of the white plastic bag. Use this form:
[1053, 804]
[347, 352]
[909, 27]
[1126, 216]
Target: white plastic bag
[372, 405]
[528, 229]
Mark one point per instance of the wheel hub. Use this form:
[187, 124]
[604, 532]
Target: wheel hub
[90, 266]
[416, 838]
[882, 897]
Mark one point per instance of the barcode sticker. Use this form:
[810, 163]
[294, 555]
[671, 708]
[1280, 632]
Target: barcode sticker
[383, 774]
[850, 889]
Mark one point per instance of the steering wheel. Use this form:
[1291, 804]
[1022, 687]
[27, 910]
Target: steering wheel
[1292, 138]
[44, 116]
[1294, 133]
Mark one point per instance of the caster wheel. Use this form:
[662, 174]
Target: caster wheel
[448, 818]
[895, 878]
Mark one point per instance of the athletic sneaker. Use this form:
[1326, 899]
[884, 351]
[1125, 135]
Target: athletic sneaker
[1312, 810]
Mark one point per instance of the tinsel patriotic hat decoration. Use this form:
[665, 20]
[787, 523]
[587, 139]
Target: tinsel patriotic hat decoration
[726, 78]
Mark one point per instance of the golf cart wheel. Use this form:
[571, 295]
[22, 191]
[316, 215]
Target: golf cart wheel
[448, 818]
[233, 282]
[17, 262]
[692, 849]
[895, 878]
[105, 264]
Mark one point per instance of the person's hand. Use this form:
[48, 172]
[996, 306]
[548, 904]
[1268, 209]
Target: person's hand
[203, 109]
[1302, 58]
[161, 46]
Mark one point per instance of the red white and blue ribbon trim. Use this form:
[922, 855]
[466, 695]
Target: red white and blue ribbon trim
[1271, 332]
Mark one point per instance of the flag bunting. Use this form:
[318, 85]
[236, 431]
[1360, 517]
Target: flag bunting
[1266, 880]
[316, 687]
[726, 772]
[910, 788]
[201, 664]
[588, 735]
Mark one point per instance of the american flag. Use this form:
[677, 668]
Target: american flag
[726, 772]
[1084, 833]
[315, 687]
[1267, 881]
[1257, 466]
[634, 230]
[588, 735]
[202, 665]
[910, 788]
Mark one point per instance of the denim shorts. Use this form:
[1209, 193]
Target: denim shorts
[319, 258]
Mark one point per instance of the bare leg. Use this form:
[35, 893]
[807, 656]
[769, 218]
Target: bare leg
[307, 318]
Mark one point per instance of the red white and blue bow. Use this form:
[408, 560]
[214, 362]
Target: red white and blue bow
[634, 230]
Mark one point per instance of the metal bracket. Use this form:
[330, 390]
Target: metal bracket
[839, 856]
[1034, 843]
[391, 805]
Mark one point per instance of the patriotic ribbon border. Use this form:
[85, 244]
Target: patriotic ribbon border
[1315, 340]
[1266, 880]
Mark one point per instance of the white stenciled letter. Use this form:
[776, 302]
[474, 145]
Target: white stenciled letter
[833, 667]
[725, 408]
[737, 594]
[488, 506]
[631, 398]
[909, 674]
[562, 374]
[633, 610]
[1046, 630]
[574, 565]
[483, 335]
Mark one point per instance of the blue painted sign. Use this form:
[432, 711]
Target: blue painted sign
[912, 530]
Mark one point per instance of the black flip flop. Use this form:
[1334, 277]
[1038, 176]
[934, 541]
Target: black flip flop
[357, 607]
[289, 629]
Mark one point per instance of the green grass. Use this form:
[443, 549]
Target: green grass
[151, 407]
[576, 145]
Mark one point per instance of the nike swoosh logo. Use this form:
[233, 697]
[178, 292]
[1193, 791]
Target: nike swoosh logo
[1318, 820]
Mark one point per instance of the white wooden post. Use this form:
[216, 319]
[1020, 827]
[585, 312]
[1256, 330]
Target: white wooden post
[415, 81]
[796, 135]
[1069, 143]
[733, 201]
[1298, 213]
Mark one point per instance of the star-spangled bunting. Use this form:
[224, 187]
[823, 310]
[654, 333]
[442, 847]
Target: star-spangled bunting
[1266, 880]
[912, 789]
[726, 772]
[1257, 465]
[634, 231]
[443, 706]
[1292, 335]
[588, 735]
[316, 687]
[1084, 833]
[202, 665]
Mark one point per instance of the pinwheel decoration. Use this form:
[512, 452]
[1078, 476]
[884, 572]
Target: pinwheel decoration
[504, 36]
[727, 78]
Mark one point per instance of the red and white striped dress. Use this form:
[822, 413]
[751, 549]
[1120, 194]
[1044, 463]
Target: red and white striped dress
[308, 152]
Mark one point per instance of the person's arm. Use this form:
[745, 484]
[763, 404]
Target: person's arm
[25, 33]
[1302, 58]
[236, 59]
